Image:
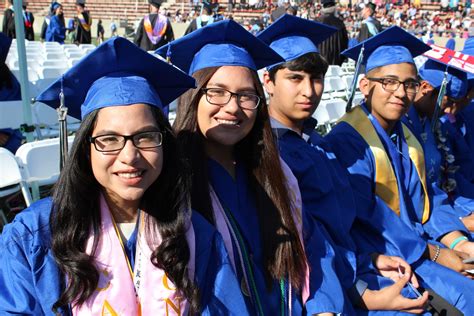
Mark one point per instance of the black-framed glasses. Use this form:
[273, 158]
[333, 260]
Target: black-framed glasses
[114, 142]
[221, 96]
[392, 84]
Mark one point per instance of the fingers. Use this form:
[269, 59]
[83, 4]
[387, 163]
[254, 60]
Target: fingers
[414, 306]
[400, 284]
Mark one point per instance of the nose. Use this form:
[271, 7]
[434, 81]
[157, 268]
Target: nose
[307, 88]
[401, 92]
[129, 153]
[233, 105]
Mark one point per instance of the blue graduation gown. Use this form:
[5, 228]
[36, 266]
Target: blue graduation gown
[327, 195]
[12, 94]
[379, 228]
[30, 279]
[326, 294]
[462, 204]
[56, 31]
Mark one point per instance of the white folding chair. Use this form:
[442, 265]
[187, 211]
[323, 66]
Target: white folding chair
[55, 63]
[86, 46]
[70, 46]
[52, 72]
[338, 87]
[334, 71]
[10, 179]
[46, 118]
[74, 54]
[321, 115]
[336, 108]
[11, 114]
[39, 164]
[54, 56]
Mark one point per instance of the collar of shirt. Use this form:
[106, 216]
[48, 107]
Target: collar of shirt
[280, 129]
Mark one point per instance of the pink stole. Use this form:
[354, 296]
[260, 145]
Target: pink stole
[144, 291]
[155, 33]
[223, 225]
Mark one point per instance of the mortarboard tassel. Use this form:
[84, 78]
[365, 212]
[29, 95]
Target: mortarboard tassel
[441, 94]
[351, 93]
[62, 118]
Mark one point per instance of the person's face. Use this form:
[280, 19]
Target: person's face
[228, 124]
[388, 107]
[294, 95]
[59, 10]
[126, 174]
[452, 105]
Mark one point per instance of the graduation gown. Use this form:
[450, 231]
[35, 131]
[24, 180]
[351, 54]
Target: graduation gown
[380, 229]
[12, 94]
[196, 24]
[326, 294]
[328, 197]
[366, 30]
[331, 48]
[141, 39]
[30, 281]
[455, 197]
[56, 31]
[83, 33]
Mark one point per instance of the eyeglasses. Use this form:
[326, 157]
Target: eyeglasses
[113, 142]
[392, 85]
[219, 96]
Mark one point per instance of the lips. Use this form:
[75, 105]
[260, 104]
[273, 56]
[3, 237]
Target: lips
[130, 175]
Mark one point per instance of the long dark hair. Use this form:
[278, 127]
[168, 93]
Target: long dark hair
[283, 252]
[76, 215]
[6, 80]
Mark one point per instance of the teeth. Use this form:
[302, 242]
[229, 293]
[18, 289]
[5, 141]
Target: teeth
[227, 122]
[129, 175]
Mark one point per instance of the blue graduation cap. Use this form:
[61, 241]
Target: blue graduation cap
[117, 73]
[224, 43]
[292, 37]
[5, 43]
[433, 71]
[392, 46]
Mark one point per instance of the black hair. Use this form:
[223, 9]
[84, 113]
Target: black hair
[312, 63]
[76, 215]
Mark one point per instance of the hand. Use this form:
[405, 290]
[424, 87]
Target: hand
[389, 298]
[453, 259]
[467, 247]
[391, 267]
[468, 221]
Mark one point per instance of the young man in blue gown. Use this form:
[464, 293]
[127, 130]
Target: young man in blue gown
[295, 88]
[387, 171]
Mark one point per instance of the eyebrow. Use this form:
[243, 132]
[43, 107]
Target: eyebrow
[398, 78]
[223, 86]
[147, 128]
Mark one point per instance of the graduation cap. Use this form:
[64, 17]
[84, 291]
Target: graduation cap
[5, 43]
[224, 43]
[117, 73]
[448, 80]
[392, 46]
[155, 3]
[81, 2]
[55, 5]
[292, 37]
[434, 71]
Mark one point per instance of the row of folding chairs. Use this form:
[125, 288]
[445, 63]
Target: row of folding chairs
[34, 165]
[329, 112]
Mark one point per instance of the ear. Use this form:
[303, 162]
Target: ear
[425, 87]
[268, 83]
[364, 84]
